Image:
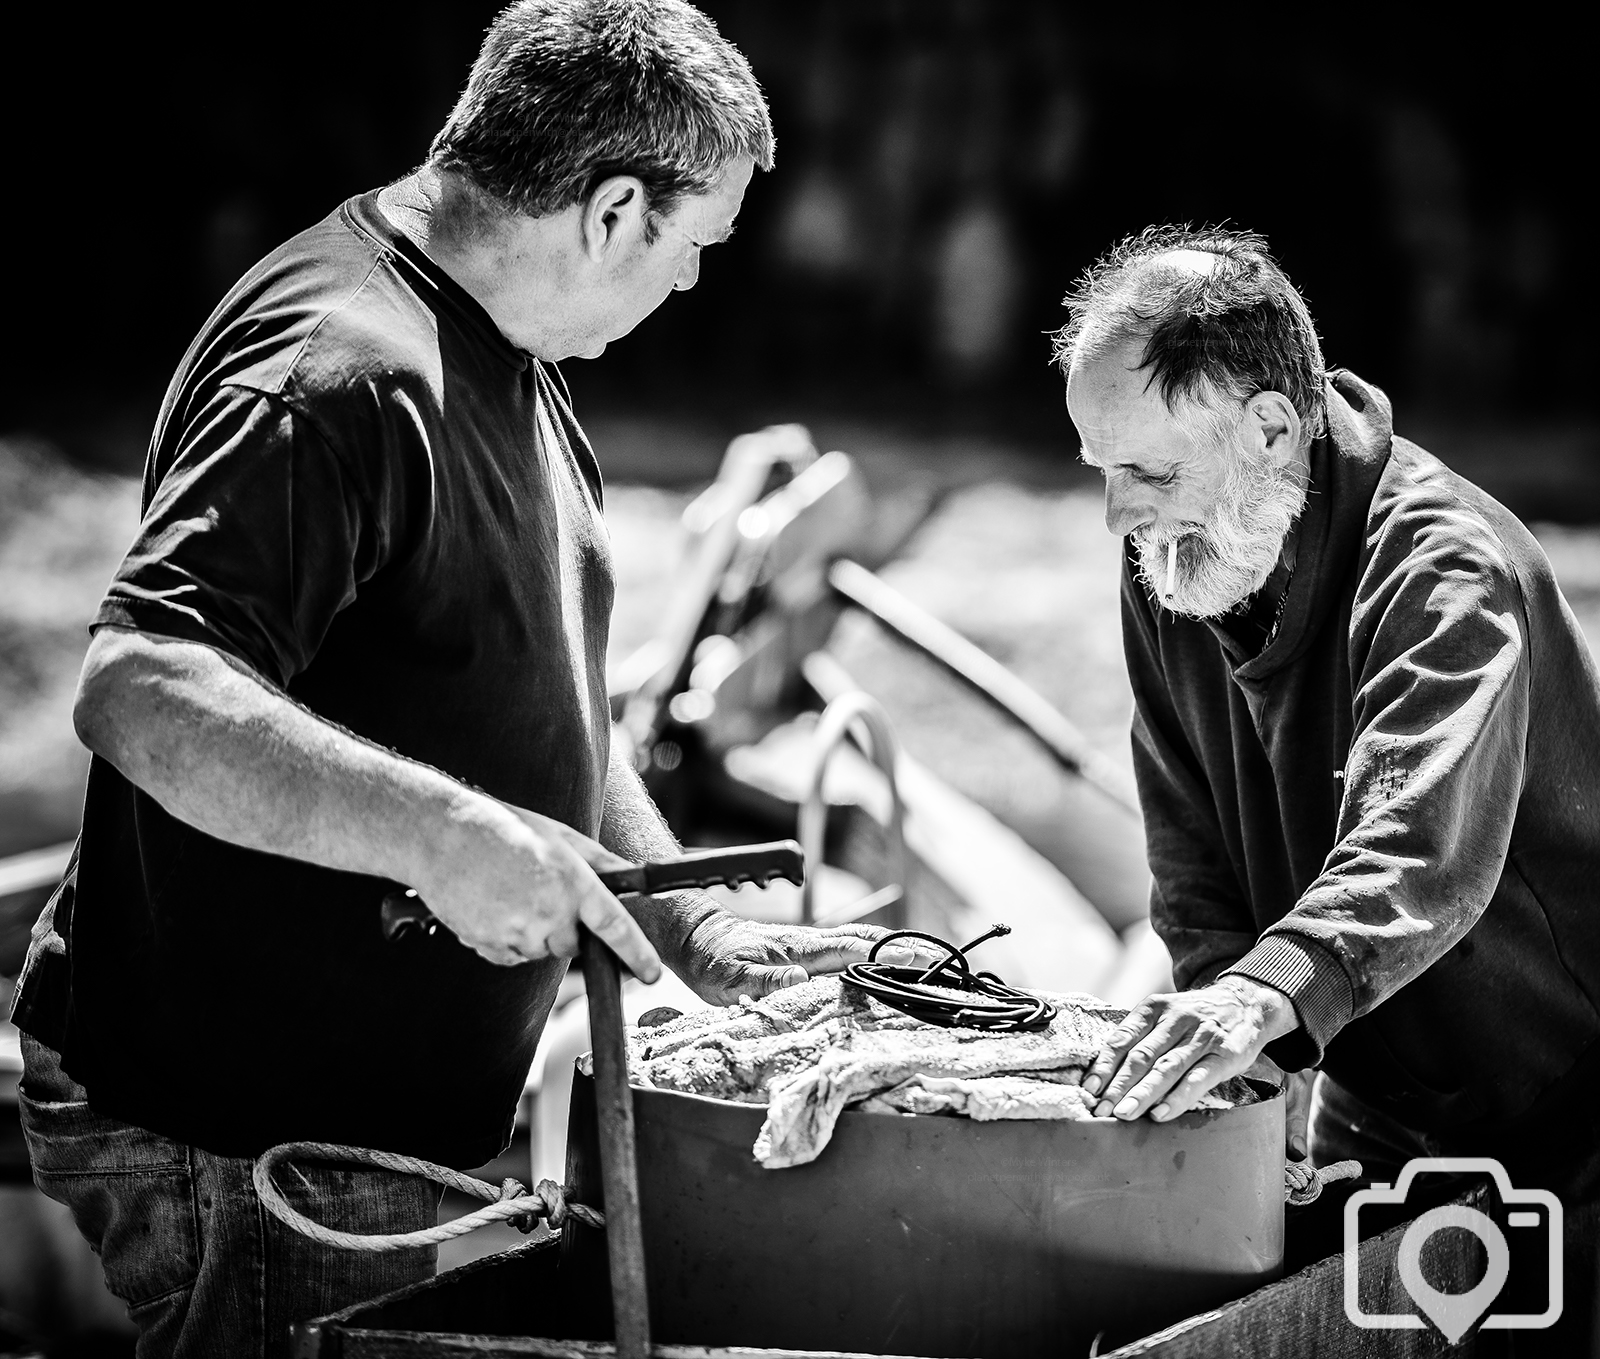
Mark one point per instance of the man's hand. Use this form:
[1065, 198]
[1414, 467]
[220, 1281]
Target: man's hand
[513, 886]
[1172, 1049]
[592, 852]
[726, 956]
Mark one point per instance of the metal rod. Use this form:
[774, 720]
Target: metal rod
[619, 1174]
[986, 676]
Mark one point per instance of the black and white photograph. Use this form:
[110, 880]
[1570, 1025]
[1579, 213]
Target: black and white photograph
[827, 679]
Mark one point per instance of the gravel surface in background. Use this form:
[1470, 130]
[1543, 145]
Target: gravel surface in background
[62, 533]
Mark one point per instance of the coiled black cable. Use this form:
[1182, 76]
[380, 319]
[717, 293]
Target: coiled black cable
[992, 1005]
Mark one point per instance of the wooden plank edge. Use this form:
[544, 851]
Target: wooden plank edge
[363, 1344]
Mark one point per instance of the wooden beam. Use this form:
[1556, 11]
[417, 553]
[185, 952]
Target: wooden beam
[619, 1174]
[983, 674]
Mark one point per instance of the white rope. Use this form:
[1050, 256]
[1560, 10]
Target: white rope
[1303, 1183]
[511, 1202]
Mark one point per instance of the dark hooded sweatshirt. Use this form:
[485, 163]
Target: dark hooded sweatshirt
[1391, 813]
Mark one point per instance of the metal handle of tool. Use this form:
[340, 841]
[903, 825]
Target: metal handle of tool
[619, 1172]
[404, 913]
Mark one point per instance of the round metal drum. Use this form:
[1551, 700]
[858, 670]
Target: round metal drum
[942, 1236]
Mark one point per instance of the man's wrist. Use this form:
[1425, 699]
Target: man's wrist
[669, 920]
[1313, 978]
[1278, 1015]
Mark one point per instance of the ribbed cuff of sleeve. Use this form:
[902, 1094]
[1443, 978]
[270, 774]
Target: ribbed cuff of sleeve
[1317, 984]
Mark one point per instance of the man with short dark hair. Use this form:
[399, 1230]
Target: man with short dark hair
[360, 641]
[1366, 734]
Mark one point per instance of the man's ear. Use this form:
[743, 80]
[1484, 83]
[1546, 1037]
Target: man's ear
[614, 213]
[1277, 425]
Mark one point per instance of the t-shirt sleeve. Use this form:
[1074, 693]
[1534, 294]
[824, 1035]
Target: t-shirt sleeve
[255, 537]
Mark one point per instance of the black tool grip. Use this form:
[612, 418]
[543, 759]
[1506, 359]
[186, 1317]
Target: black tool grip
[730, 867]
[404, 913]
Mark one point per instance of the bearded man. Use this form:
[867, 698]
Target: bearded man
[1366, 734]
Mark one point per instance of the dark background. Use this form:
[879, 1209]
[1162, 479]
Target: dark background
[944, 170]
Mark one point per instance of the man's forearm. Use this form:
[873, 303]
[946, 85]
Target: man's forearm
[223, 751]
[633, 827]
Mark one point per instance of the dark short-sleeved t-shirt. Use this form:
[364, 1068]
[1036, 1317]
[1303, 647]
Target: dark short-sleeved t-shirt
[358, 487]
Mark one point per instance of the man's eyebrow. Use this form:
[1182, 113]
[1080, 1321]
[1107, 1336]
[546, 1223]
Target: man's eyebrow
[1088, 458]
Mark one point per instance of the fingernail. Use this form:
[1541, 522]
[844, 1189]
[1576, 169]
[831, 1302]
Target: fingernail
[1102, 1109]
[1161, 1112]
[1092, 1084]
[1126, 1108]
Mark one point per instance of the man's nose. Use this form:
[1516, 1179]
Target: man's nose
[1125, 509]
[689, 274]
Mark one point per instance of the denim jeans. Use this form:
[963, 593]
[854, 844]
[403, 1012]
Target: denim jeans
[204, 1269]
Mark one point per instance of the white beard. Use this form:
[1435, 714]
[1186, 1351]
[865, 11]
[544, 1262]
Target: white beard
[1226, 559]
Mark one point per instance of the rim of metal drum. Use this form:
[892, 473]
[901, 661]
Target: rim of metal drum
[1265, 1089]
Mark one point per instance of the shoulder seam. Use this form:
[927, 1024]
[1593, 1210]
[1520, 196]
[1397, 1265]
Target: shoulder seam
[331, 312]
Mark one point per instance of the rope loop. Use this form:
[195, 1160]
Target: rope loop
[1303, 1183]
[987, 1003]
[511, 1202]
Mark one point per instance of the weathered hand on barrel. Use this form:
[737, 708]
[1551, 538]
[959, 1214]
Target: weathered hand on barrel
[726, 956]
[1171, 1049]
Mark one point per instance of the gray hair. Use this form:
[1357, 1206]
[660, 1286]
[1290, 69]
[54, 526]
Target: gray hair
[1212, 340]
[566, 93]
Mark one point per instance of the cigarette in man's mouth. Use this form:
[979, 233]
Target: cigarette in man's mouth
[1172, 568]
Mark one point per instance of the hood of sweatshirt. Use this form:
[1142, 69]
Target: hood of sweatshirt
[1346, 464]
